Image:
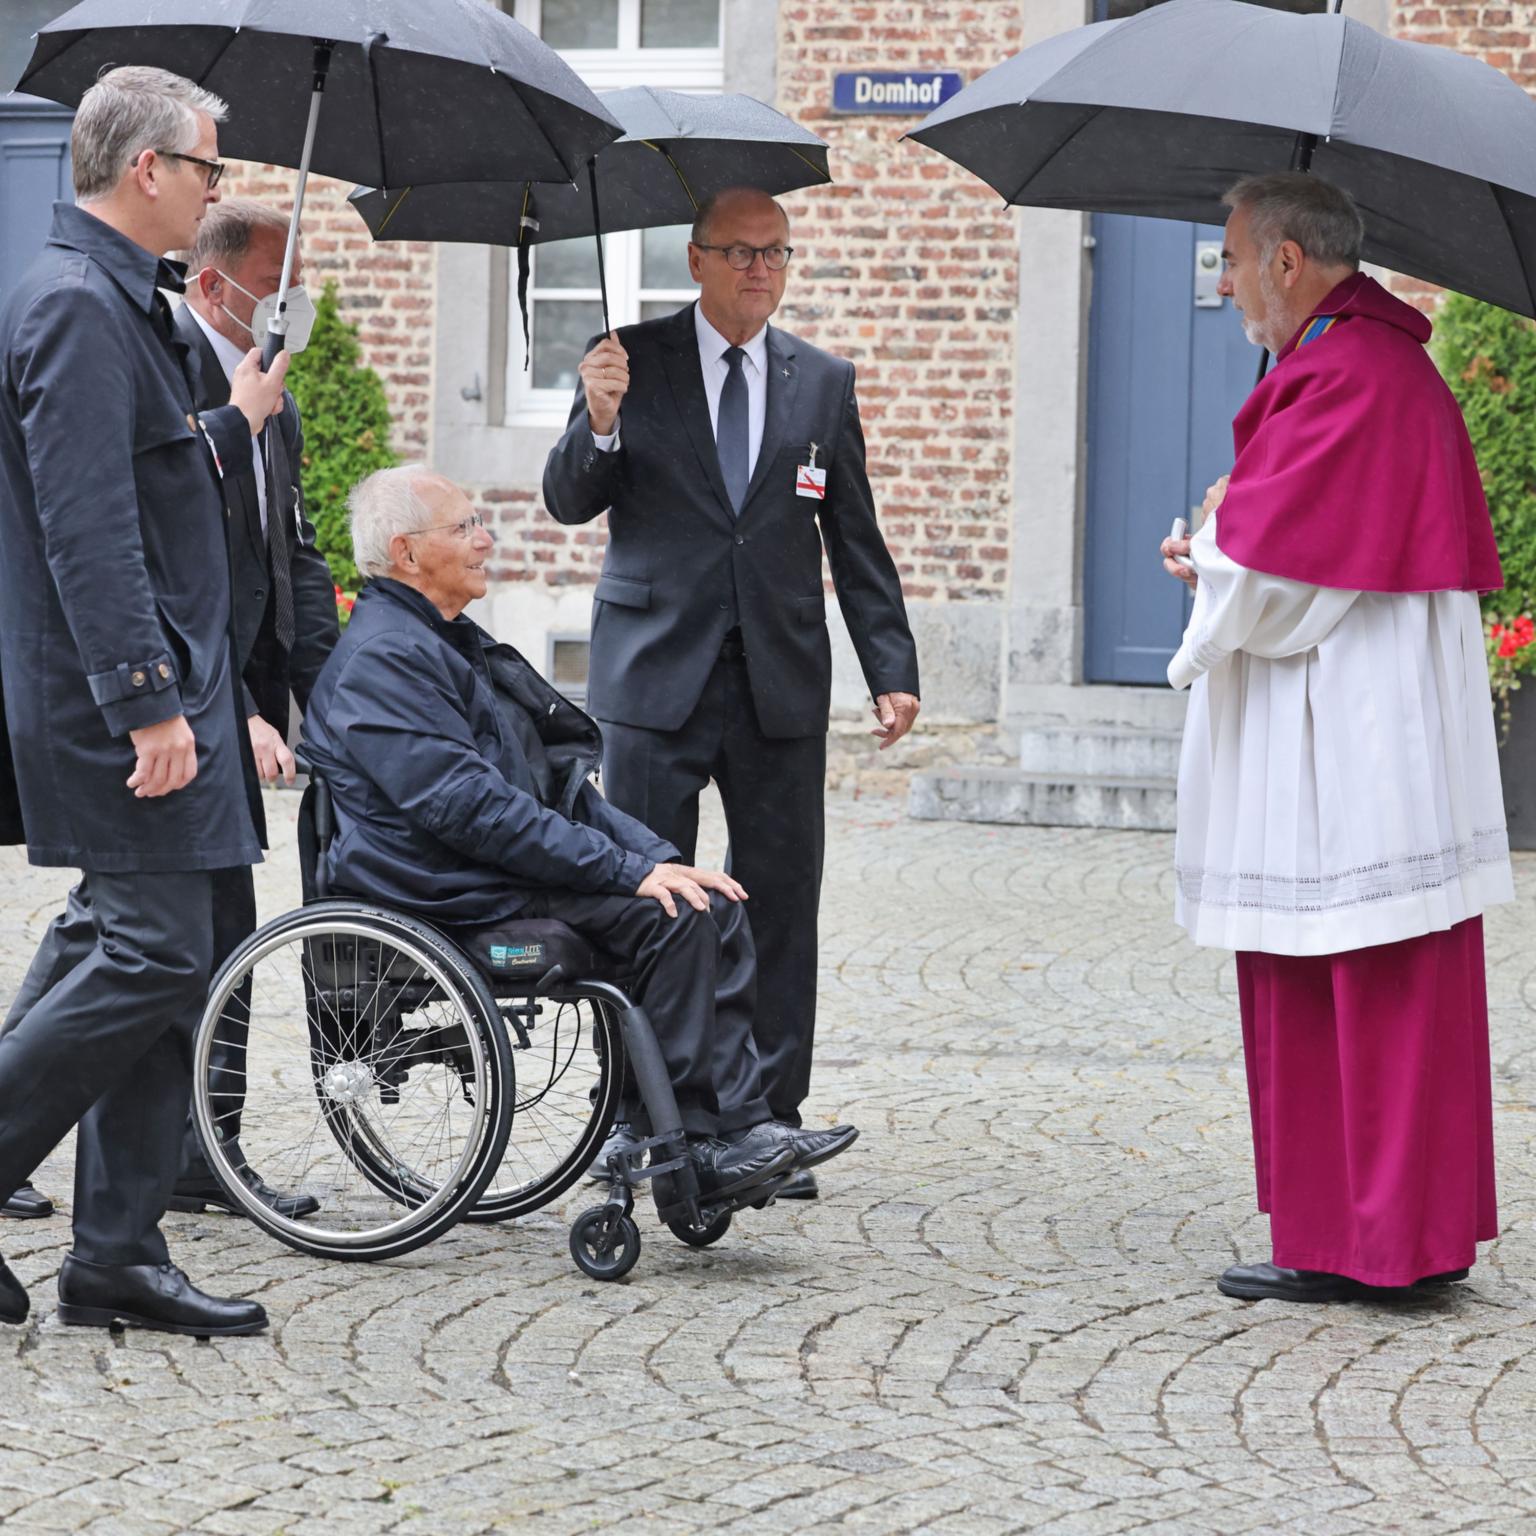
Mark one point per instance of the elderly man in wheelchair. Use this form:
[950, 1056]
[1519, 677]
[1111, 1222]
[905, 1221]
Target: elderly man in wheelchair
[459, 783]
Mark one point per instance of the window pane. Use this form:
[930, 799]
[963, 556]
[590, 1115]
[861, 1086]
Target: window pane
[664, 257]
[566, 264]
[656, 309]
[561, 331]
[677, 23]
[580, 23]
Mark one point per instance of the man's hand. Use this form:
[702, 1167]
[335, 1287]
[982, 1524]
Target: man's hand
[1168, 549]
[272, 754]
[167, 758]
[668, 880]
[895, 712]
[259, 395]
[605, 377]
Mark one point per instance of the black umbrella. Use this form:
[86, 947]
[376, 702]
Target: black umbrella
[677, 150]
[411, 85]
[1159, 113]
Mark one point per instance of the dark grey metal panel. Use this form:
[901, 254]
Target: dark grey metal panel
[34, 174]
[1164, 380]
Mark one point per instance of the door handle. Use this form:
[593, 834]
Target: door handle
[1207, 274]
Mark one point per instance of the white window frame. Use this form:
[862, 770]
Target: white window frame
[605, 69]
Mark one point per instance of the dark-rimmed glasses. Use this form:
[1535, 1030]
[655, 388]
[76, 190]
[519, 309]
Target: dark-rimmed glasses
[741, 257]
[212, 169]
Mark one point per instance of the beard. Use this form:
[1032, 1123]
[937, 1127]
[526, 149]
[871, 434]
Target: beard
[1262, 331]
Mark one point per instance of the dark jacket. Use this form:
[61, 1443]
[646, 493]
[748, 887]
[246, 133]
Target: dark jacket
[461, 778]
[268, 672]
[114, 578]
[680, 566]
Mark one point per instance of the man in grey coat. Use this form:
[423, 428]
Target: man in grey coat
[127, 736]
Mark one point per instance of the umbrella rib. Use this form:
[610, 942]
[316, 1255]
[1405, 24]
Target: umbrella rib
[1498, 202]
[1056, 149]
[677, 170]
[219, 53]
[826, 176]
[533, 117]
[394, 208]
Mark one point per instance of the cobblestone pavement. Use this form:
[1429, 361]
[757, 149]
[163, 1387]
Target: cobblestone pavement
[1000, 1317]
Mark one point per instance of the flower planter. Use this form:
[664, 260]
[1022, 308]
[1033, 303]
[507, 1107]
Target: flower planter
[1517, 764]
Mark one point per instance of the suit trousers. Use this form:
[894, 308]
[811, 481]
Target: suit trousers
[72, 936]
[694, 975]
[773, 790]
[101, 1036]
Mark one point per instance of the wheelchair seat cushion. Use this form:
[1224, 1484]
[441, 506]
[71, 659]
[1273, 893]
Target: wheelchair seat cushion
[524, 949]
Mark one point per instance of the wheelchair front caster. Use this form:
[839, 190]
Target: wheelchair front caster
[701, 1236]
[605, 1243]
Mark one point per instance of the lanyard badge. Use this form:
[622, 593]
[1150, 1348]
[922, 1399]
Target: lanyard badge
[810, 481]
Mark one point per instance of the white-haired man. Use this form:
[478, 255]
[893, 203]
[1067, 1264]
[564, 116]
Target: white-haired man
[467, 798]
[120, 700]
[1340, 820]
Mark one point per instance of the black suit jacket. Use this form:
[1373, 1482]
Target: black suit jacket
[268, 672]
[679, 561]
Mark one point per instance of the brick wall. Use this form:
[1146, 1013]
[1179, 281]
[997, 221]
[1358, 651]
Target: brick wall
[386, 289]
[908, 266]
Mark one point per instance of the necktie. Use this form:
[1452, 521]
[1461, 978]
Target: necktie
[731, 441]
[277, 537]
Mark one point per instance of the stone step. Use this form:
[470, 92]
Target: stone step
[1020, 798]
[1102, 751]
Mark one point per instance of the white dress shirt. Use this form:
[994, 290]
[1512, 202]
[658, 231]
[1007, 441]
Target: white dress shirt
[230, 357]
[754, 367]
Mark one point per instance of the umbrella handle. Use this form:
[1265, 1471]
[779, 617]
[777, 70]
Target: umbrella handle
[597, 230]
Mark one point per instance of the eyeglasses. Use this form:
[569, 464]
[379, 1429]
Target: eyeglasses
[462, 529]
[741, 257]
[212, 169]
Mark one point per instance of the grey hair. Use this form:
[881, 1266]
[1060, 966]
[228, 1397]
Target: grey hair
[225, 234]
[705, 212]
[1293, 205]
[127, 111]
[382, 505]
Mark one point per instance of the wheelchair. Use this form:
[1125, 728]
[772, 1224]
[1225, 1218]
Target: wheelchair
[408, 1080]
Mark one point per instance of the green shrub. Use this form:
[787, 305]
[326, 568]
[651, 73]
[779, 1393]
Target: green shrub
[346, 429]
[1488, 357]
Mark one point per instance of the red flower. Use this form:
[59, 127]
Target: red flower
[1508, 646]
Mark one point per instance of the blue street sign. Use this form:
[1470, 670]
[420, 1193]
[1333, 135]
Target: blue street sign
[906, 91]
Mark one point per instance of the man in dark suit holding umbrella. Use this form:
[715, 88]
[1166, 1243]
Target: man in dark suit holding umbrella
[710, 656]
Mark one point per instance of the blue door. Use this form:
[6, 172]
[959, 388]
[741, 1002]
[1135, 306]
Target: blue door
[34, 174]
[1168, 367]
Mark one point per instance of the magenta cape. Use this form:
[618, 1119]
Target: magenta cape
[1353, 465]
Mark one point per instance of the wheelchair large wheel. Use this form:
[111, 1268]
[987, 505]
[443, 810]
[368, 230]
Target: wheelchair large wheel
[353, 1055]
[570, 1069]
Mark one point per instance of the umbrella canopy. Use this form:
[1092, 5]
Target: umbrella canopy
[1159, 113]
[409, 84]
[676, 151]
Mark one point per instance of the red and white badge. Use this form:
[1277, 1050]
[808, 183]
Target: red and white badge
[810, 481]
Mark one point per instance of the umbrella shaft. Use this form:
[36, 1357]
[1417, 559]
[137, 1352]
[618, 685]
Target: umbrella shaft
[279, 323]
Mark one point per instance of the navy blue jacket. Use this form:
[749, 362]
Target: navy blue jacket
[114, 567]
[461, 778]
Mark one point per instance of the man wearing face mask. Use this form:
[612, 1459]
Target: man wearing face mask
[283, 596]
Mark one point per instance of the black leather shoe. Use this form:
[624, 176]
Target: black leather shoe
[730, 1168]
[14, 1301]
[1448, 1277]
[799, 1186]
[205, 1193]
[1267, 1282]
[622, 1138]
[810, 1147]
[27, 1204]
[150, 1296]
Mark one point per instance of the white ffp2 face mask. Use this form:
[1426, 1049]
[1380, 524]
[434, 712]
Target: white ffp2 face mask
[301, 315]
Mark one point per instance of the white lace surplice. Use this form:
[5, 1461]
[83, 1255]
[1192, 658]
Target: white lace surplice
[1339, 780]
